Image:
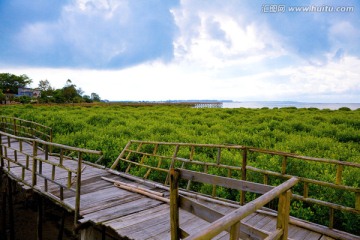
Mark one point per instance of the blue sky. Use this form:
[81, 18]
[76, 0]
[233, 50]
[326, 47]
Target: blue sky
[241, 50]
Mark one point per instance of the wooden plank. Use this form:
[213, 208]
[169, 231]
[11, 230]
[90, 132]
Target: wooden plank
[109, 204]
[122, 210]
[312, 236]
[326, 238]
[299, 234]
[263, 222]
[199, 210]
[224, 181]
[94, 198]
[135, 218]
[148, 228]
[270, 226]
[252, 221]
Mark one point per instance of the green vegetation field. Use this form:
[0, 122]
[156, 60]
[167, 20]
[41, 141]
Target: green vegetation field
[310, 132]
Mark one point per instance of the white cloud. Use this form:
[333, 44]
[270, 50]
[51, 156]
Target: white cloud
[221, 51]
[217, 36]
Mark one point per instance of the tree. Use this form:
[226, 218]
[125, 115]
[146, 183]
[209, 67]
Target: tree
[69, 93]
[9, 83]
[87, 99]
[95, 97]
[44, 85]
[2, 96]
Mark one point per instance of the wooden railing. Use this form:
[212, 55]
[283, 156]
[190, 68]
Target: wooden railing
[230, 222]
[143, 158]
[30, 161]
[24, 128]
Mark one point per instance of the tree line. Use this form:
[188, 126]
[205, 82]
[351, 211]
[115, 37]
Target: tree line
[70, 93]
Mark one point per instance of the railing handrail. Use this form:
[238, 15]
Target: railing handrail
[237, 215]
[251, 149]
[36, 168]
[137, 153]
[31, 129]
[27, 121]
[70, 148]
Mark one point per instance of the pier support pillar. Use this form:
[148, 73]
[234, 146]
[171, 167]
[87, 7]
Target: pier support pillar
[11, 209]
[40, 209]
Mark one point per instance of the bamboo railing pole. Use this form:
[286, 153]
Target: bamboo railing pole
[1, 153]
[243, 174]
[331, 218]
[283, 166]
[172, 164]
[34, 166]
[357, 201]
[235, 216]
[78, 189]
[174, 204]
[113, 166]
[306, 189]
[15, 130]
[339, 170]
[284, 213]
[235, 231]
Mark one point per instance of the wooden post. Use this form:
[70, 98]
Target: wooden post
[78, 189]
[174, 204]
[62, 225]
[172, 164]
[235, 231]
[283, 213]
[34, 166]
[1, 153]
[15, 131]
[40, 218]
[306, 189]
[339, 170]
[331, 218]
[357, 201]
[283, 167]
[243, 174]
[266, 179]
[50, 140]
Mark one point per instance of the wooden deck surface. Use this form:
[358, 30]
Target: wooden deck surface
[136, 216]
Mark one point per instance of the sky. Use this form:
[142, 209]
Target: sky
[157, 50]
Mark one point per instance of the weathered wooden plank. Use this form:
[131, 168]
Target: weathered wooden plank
[121, 210]
[299, 234]
[109, 204]
[193, 224]
[147, 228]
[135, 218]
[224, 181]
[270, 226]
[252, 221]
[312, 236]
[326, 238]
[93, 198]
[293, 230]
[260, 224]
[199, 209]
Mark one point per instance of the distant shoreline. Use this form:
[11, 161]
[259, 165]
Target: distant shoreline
[281, 104]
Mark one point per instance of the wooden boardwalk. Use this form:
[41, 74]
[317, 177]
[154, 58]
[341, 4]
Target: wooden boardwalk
[129, 214]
